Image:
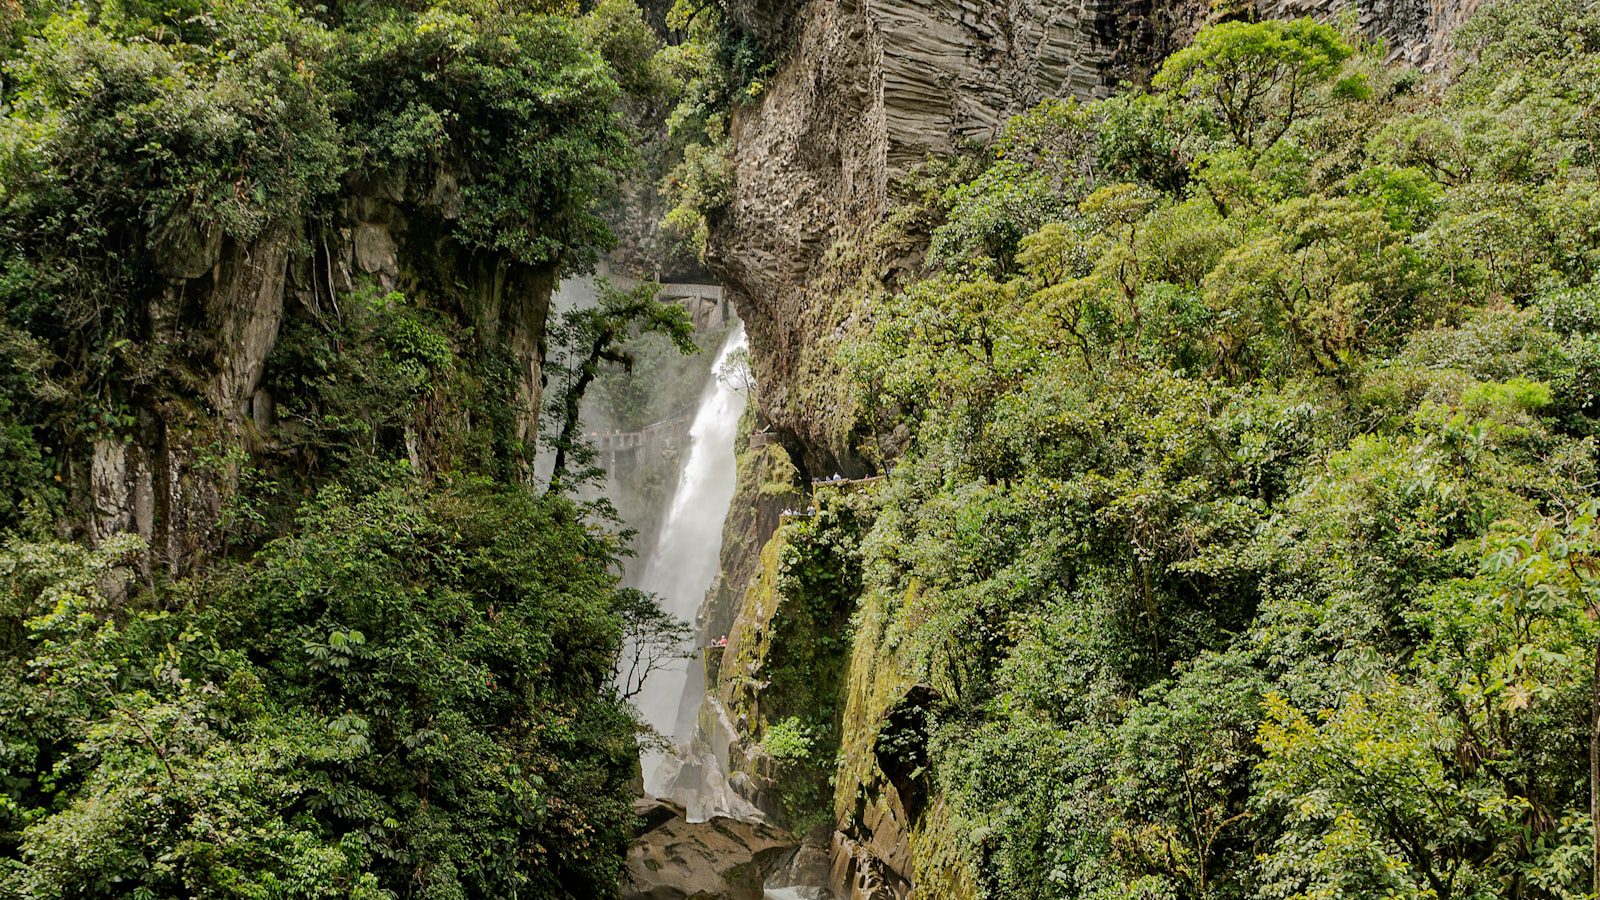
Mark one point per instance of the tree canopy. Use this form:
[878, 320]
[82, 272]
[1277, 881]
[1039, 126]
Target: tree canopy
[1243, 530]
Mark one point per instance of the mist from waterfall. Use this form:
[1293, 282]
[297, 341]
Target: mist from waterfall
[687, 554]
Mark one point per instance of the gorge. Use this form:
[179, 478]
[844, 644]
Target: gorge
[844, 448]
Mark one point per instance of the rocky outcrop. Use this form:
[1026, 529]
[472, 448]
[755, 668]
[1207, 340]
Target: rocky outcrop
[215, 323]
[721, 859]
[1414, 31]
[201, 409]
[245, 307]
[766, 487]
[399, 236]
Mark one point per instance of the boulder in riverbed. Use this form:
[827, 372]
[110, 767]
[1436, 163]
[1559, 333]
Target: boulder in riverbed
[721, 859]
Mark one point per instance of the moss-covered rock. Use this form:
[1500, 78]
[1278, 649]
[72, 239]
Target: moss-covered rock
[767, 485]
[782, 672]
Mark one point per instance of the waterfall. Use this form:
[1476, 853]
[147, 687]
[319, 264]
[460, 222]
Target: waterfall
[680, 569]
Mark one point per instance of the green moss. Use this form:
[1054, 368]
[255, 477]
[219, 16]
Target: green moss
[874, 682]
[788, 653]
[941, 854]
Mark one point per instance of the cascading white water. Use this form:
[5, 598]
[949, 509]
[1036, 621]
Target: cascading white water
[687, 553]
[680, 570]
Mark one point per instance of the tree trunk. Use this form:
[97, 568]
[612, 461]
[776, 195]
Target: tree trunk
[1594, 773]
[572, 403]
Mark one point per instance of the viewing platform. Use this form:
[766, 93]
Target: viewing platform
[837, 483]
[624, 448]
[707, 304]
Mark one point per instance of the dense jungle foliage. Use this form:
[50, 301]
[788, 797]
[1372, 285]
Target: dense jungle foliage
[406, 696]
[141, 142]
[1238, 538]
[392, 673]
[1245, 540]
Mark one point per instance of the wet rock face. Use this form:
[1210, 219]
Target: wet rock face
[873, 862]
[721, 859]
[803, 874]
[901, 749]
[872, 848]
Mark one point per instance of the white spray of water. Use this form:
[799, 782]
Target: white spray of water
[688, 551]
[697, 775]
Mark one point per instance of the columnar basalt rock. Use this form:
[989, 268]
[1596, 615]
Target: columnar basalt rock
[1414, 31]
[869, 89]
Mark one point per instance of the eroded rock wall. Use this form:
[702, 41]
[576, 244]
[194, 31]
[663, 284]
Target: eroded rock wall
[1414, 31]
[202, 410]
[869, 88]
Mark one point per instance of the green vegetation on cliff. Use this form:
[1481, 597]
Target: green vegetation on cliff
[153, 155]
[784, 668]
[1243, 545]
[282, 613]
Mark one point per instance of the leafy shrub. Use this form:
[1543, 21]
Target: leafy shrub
[513, 102]
[1244, 522]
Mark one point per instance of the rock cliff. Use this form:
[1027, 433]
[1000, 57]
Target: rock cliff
[866, 90]
[869, 88]
[220, 315]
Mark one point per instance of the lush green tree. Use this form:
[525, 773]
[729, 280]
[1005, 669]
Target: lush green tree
[591, 336]
[1450, 784]
[513, 101]
[1260, 78]
[129, 162]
